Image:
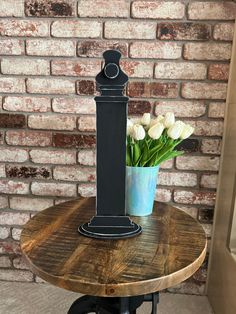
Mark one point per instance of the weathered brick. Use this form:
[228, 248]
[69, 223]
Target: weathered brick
[28, 28]
[207, 128]
[76, 28]
[11, 218]
[103, 8]
[9, 247]
[139, 107]
[160, 50]
[158, 9]
[28, 138]
[12, 85]
[211, 146]
[26, 104]
[207, 51]
[177, 178]
[216, 110]
[53, 189]
[79, 67]
[95, 48]
[153, 89]
[163, 195]
[16, 275]
[223, 31]
[4, 233]
[188, 286]
[87, 123]
[2, 171]
[218, 72]
[184, 31]
[16, 233]
[27, 172]
[85, 87]
[52, 122]
[87, 189]
[20, 262]
[50, 8]
[12, 8]
[137, 68]
[76, 173]
[194, 197]
[181, 70]
[73, 140]
[189, 145]
[74, 105]
[53, 156]
[50, 86]
[202, 163]
[30, 204]
[50, 47]
[198, 90]
[130, 29]
[25, 66]
[209, 181]
[205, 215]
[5, 262]
[168, 164]
[11, 46]
[87, 157]
[13, 155]
[181, 108]
[12, 120]
[1, 138]
[225, 10]
[3, 201]
[13, 187]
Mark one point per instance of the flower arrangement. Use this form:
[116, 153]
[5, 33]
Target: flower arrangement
[152, 141]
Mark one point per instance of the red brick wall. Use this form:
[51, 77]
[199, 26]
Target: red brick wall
[177, 57]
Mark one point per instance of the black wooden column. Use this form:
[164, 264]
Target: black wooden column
[111, 108]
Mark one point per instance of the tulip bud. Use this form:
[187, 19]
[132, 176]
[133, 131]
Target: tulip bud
[186, 132]
[138, 132]
[154, 121]
[129, 126]
[156, 130]
[169, 119]
[146, 118]
[175, 130]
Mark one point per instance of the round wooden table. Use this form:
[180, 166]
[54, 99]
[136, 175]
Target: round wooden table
[170, 249]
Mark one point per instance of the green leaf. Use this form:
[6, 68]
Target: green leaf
[137, 154]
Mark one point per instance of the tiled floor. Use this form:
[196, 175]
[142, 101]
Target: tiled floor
[31, 298]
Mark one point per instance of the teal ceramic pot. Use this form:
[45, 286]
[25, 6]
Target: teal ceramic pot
[140, 190]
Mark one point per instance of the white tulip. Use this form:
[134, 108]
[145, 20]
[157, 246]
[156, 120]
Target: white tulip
[156, 130]
[186, 132]
[146, 118]
[175, 130]
[129, 126]
[169, 119]
[138, 132]
[154, 121]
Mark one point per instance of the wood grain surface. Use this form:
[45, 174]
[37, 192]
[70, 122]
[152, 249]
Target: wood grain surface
[170, 249]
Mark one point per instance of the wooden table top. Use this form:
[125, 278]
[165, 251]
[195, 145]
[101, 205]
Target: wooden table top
[170, 249]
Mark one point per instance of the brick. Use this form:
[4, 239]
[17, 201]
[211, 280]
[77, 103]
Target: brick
[49, 8]
[85, 87]
[53, 156]
[139, 107]
[26, 28]
[216, 110]
[206, 215]
[103, 8]
[96, 48]
[211, 146]
[13, 155]
[209, 181]
[192, 211]
[12, 8]
[181, 108]
[13, 187]
[177, 178]
[53, 189]
[39, 280]
[4, 233]
[16, 275]
[50, 86]
[153, 89]
[87, 157]
[3, 201]
[194, 197]
[184, 31]
[207, 128]
[189, 145]
[158, 9]
[73, 140]
[16, 233]
[76, 28]
[225, 10]
[27, 104]
[87, 189]
[218, 72]
[168, 164]
[5, 262]
[1, 138]
[204, 90]
[20, 263]
[201, 163]
[87, 123]
[52, 122]
[223, 31]
[28, 172]
[138, 69]
[2, 171]
[74, 105]
[28, 138]
[156, 50]
[163, 195]
[12, 85]
[130, 29]
[12, 120]
[10, 218]
[9, 247]
[180, 70]
[50, 47]
[76, 173]
[30, 204]
[207, 51]
[11, 46]
[25, 66]
[79, 67]
[188, 287]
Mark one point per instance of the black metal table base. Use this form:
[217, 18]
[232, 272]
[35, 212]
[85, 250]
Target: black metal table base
[101, 305]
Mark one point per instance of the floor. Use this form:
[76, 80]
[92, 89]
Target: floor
[31, 298]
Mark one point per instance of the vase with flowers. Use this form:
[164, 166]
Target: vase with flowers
[149, 143]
